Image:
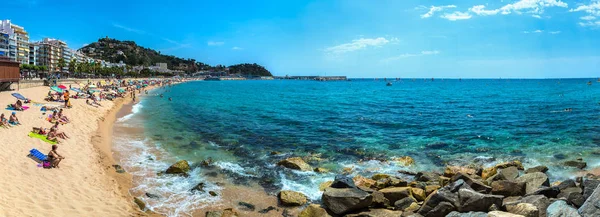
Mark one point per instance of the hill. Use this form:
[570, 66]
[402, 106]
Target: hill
[130, 53]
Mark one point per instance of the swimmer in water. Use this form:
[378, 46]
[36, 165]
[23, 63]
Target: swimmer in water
[161, 95]
[469, 116]
[170, 99]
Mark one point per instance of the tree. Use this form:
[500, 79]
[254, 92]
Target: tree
[72, 65]
[61, 64]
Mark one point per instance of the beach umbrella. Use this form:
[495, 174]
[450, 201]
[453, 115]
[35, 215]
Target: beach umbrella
[62, 87]
[92, 86]
[55, 88]
[77, 90]
[19, 96]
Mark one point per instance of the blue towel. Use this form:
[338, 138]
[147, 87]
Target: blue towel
[37, 154]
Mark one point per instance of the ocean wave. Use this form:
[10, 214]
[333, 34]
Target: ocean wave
[134, 110]
[234, 168]
[308, 186]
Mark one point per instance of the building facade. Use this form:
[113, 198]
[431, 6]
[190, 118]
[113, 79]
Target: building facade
[50, 52]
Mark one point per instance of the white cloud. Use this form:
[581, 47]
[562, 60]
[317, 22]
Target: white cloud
[457, 16]
[538, 31]
[532, 6]
[215, 43]
[359, 44]
[526, 32]
[407, 55]
[434, 9]
[593, 8]
[128, 29]
[480, 10]
[237, 48]
[588, 17]
[555, 32]
[536, 16]
[590, 24]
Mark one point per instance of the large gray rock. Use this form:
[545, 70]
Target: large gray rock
[181, 167]
[542, 169]
[569, 183]
[573, 195]
[560, 208]
[342, 181]
[539, 201]
[525, 209]
[474, 201]
[467, 214]
[376, 213]
[344, 200]
[394, 194]
[295, 163]
[533, 181]
[591, 207]
[473, 183]
[509, 173]
[550, 192]
[404, 203]
[589, 185]
[508, 188]
[575, 163]
[502, 214]
[379, 200]
[313, 210]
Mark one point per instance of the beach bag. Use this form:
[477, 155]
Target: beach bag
[46, 164]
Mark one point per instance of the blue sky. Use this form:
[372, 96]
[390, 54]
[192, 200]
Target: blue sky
[357, 38]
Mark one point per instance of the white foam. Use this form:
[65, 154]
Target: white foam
[176, 199]
[308, 187]
[234, 168]
[134, 110]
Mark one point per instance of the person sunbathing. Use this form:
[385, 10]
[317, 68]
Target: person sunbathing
[18, 105]
[4, 121]
[13, 119]
[59, 134]
[40, 130]
[52, 136]
[62, 117]
[54, 157]
[55, 118]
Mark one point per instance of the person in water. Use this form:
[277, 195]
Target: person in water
[170, 99]
[54, 157]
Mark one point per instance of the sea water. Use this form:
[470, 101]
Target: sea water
[246, 127]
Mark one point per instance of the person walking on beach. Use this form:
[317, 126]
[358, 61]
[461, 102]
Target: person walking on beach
[66, 96]
[54, 157]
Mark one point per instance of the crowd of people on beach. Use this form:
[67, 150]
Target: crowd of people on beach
[93, 93]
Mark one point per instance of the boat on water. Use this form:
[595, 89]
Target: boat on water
[389, 84]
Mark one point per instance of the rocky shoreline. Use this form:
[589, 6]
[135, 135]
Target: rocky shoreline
[503, 190]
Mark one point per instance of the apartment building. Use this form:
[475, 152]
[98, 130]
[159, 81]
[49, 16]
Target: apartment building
[49, 53]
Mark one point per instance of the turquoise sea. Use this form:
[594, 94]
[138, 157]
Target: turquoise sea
[360, 124]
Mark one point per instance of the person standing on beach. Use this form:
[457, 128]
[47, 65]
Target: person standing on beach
[66, 96]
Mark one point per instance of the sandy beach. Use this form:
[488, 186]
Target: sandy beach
[84, 185]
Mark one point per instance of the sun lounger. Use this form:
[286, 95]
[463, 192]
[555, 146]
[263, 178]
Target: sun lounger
[37, 155]
[19, 96]
[41, 137]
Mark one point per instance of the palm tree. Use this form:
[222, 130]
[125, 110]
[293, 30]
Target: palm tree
[61, 64]
[72, 65]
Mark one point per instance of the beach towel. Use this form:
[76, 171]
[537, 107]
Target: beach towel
[76, 90]
[9, 107]
[19, 96]
[42, 137]
[38, 155]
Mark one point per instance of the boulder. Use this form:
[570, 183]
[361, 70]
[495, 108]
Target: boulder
[442, 209]
[575, 163]
[344, 200]
[431, 188]
[404, 203]
[442, 201]
[453, 170]
[539, 201]
[524, 209]
[591, 207]
[573, 195]
[380, 176]
[313, 210]
[295, 163]
[342, 181]
[140, 203]
[247, 206]
[418, 194]
[405, 160]
[396, 193]
[488, 172]
[475, 184]
[533, 181]
[502, 214]
[560, 208]
[292, 198]
[515, 163]
[413, 207]
[569, 183]
[443, 181]
[542, 169]
[181, 167]
[427, 177]
[321, 170]
[467, 214]
[549, 192]
[589, 185]
[379, 200]
[325, 185]
[396, 182]
[474, 201]
[383, 183]
[199, 187]
[509, 173]
[153, 196]
[363, 181]
[508, 188]
[376, 213]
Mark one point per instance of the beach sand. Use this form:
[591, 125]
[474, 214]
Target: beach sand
[84, 185]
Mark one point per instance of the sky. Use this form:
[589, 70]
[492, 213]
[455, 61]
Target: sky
[356, 38]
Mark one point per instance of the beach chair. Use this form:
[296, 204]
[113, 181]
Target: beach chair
[37, 156]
